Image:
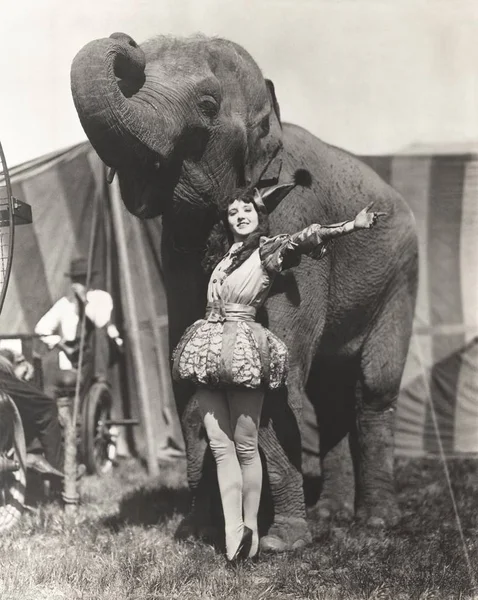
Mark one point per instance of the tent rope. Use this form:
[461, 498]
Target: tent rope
[70, 486]
[445, 465]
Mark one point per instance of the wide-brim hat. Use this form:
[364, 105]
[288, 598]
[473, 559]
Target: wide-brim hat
[270, 197]
[79, 268]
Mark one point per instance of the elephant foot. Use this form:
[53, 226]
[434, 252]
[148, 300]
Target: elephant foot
[191, 528]
[286, 534]
[379, 517]
[327, 510]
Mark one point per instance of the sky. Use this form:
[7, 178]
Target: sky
[371, 76]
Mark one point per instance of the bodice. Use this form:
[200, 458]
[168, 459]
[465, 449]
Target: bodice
[248, 284]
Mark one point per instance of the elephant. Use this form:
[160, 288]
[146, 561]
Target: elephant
[183, 121]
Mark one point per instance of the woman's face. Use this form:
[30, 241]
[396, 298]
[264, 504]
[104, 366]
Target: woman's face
[242, 218]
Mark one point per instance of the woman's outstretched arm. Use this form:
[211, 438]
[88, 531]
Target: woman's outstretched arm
[310, 238]
[285, 251]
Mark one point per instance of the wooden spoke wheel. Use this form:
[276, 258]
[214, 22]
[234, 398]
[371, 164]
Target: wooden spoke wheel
[12, 449]
[98, 434]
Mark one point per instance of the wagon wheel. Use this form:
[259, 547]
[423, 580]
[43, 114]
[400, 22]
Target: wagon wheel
[7, 228]
[12, 448]
[12, 438]
[98, 435]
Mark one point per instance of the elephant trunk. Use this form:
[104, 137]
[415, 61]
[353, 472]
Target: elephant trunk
[106, 76]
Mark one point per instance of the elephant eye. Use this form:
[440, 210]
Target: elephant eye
[265, 126]
[209, 107]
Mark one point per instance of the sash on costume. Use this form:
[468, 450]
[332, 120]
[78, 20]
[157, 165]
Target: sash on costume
[218, 312]
[230, 314]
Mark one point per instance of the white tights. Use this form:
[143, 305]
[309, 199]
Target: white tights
[231, 419]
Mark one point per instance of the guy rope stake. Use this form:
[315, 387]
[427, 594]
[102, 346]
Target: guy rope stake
[70, 492]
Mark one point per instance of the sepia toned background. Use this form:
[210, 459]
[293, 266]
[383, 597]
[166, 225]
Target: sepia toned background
[396, 82]
[372, 76]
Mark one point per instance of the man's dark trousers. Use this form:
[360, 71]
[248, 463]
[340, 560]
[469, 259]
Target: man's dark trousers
[39, 414]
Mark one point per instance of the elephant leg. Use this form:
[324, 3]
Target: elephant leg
[382, 363]
[279, 439]
[376, 503]
[205, 520]
[332, 386]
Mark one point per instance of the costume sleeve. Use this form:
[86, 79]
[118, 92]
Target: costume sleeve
[314, 238]
[285, 251]
[278, 253]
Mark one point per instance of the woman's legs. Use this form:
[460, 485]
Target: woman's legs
[214, 410]
[245, 408]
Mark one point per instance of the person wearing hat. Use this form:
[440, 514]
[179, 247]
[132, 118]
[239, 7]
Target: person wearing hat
[231, 358]
[61, 325]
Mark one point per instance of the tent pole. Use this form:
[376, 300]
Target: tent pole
[133, 326]
[164, 371]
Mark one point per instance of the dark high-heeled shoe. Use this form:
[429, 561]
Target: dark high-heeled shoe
[244, 547]
[256, 558]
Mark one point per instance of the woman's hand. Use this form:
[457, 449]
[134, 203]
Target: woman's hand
[366, 219]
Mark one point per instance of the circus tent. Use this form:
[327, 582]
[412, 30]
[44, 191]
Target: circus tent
[439, 392]
[75, 212]
[71, 201]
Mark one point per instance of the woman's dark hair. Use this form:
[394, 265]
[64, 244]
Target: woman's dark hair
[220, 238]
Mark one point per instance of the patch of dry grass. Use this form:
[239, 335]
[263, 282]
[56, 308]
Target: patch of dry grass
[120, 545]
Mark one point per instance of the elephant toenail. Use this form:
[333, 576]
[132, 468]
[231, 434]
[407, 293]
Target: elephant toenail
[324, 513]
[376, 522]
[299, 544]
[271, 543]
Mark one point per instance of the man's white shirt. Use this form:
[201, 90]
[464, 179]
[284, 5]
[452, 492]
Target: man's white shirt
[61, 322]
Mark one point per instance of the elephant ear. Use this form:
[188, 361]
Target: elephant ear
[271, 174]
[272, 93]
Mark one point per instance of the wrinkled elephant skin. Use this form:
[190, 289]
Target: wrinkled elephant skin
[184, 121]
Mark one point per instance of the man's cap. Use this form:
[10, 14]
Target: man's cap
[79, 267]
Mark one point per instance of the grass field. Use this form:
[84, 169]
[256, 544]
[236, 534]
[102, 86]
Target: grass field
[120, 545]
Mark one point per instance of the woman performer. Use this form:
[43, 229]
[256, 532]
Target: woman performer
[231, 358]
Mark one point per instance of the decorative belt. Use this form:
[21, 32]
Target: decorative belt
[219, 312]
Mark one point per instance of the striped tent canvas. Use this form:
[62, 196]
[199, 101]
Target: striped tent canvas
[440, 384]
[72, 209]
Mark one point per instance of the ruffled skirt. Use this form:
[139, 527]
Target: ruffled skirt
[230, 353]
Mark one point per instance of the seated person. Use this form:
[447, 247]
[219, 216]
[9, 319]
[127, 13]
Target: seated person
[39, 414]
[61, 325]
